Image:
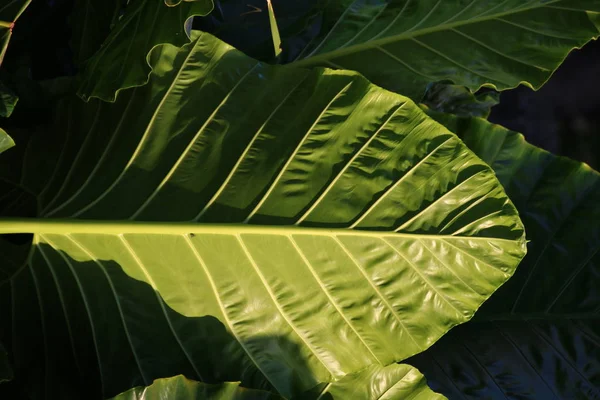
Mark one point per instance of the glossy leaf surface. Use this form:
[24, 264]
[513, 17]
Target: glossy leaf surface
[121, 61]
[180, 388]
[310, 260]
[538, 336]
[403, 45]
[396, 381]
[459, 100]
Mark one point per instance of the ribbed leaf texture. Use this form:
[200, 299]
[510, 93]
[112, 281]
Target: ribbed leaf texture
[121, 62]
[403, 45]
[276, 226]
[538, 337]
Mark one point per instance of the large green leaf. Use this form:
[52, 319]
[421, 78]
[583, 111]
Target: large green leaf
[539, 336]
[9, 13]
[403, 45]
[340, 228]
[180, 388]
[121, 61]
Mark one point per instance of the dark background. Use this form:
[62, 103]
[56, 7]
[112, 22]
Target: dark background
[562, 117]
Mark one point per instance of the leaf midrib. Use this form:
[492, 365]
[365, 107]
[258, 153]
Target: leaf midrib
[67, 226]
[408, 35]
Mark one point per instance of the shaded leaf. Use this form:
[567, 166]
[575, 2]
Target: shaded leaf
[6, 141]
[121, 61]
[310, 260]
[459, 100]
[403, 45]
[538, 337]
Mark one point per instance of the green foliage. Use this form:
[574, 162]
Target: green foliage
[336, 177]
[6, 373]
[178, 387]
[459, 100]
[121, 61]
[224, 228]
[404, 45]
[539, 330]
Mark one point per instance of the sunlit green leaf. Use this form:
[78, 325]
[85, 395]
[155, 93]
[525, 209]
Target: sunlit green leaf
[396, 381]
[307, 225]
[180, 388]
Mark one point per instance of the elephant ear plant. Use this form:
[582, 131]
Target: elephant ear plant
[230, 229]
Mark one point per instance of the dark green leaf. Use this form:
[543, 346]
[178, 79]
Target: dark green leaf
[121, 61]
[8, 101]
[404, 45]
[91, 23]
[6, 373]
[459, 100]
[538, 337]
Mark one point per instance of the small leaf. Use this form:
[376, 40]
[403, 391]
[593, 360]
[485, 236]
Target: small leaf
[335, 225]
[180, 388]
[274, 29]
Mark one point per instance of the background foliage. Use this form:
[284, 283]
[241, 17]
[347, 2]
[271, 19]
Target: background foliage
[541, 326]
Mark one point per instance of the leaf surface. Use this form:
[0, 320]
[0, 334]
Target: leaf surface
[6, 373]
[396, 381]
[180, 388]
[403, 45]
[539, 335]
[233, 220]
[91, 22]
[121, 61]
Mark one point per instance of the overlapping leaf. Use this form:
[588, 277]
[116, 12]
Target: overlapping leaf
[538, 337]
[121, 61]
[340, 228]
[403, 45]
[396, 381]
